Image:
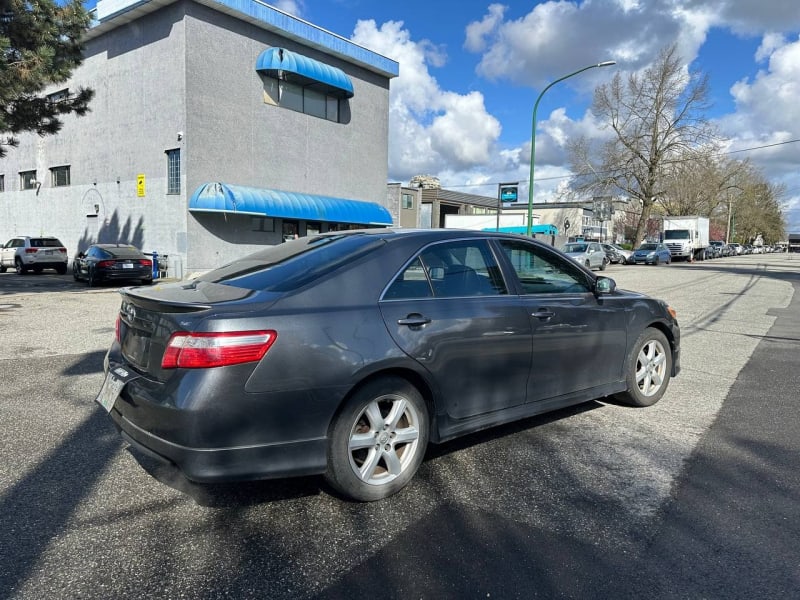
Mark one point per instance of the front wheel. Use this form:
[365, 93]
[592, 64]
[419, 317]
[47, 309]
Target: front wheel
[604, 264]
[378, 440]
[647, 369]
[20, 268]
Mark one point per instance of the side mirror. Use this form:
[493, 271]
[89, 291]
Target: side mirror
[604, 285]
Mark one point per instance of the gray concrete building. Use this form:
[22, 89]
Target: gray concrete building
[217, 127]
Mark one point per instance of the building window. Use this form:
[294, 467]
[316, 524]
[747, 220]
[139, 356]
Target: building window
[174, 171]
[297, 98]
[27, 180]
[58, 96]
[59, 176]
[408, 201]
[2, 183]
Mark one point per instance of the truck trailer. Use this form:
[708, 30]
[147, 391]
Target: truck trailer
[686, 237]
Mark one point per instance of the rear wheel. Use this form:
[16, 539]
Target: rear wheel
[647, 369]
[656, 261]
[604, 264]
[378, 440]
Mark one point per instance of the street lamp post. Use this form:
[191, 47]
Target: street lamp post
[606, 63]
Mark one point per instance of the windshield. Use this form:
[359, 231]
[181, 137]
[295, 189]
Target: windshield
[676, 234]
[292, 264]
[648, 247]
[575, 248]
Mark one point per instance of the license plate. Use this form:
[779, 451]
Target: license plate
[127, 265]
[112, 386]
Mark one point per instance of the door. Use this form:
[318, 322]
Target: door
[450, 310]
[578, 339]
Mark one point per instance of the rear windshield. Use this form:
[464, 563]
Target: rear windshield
[295, 263]
[575, 248]
[45, 243]
[124, 252]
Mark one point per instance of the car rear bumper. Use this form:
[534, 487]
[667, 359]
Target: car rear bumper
[205, 465]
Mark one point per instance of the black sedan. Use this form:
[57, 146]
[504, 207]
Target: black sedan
[112, 262]
[345, 354]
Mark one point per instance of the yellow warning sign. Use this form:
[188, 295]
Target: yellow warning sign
[140, 185]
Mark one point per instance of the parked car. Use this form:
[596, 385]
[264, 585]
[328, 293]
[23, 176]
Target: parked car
[346, 353]
[617, 254]
[588, 254]
[736, 248]
[112, 262]
[26, 253]
[652, 253]
[715, 249]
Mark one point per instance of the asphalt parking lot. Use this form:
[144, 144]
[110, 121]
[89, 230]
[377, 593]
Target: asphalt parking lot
[585, 503]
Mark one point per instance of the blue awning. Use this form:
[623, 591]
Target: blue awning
[306, 72]
[523, 229]
[225, 198]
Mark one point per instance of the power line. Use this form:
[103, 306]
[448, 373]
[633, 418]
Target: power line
[557, 177]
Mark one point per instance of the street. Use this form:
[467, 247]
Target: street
[694, 497]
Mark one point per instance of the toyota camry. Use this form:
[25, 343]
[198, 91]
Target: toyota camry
[346, 354]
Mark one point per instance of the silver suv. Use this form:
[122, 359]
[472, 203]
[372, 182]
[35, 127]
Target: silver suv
[33, 253]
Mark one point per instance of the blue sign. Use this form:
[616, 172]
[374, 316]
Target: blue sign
[508, 193]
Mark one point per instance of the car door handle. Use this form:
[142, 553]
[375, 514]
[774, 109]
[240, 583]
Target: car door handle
[414, 321]
[543, 314]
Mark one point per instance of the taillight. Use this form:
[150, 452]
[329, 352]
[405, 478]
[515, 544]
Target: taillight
[145, 262]
[31, 250]
[105, 263]
[202, 350]
[64, 250]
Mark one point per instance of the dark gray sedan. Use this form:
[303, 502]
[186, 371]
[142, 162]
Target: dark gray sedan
[346, 353]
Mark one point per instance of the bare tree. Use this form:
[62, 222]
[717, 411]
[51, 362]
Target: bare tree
[701, 185]
[657, 119]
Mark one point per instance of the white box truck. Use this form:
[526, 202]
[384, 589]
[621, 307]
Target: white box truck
[686, 237]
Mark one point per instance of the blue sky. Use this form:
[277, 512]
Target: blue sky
[470, 72]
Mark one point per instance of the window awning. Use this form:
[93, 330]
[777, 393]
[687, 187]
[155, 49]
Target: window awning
[225, 198]
[306, 72]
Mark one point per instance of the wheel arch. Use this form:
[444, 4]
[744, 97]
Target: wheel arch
[411, 376]
[668, 333]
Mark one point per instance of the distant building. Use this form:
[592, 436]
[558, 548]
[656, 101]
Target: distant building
[218, 127]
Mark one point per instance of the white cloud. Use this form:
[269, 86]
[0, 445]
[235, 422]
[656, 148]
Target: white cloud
[430, 130]
[292, 7]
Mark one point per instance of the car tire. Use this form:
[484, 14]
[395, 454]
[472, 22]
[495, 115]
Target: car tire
[90, 280]
[19, 267]
[588, 265]
[655, 262]
[377, 441]
[604, 264]
[648, 369]
[3, 269]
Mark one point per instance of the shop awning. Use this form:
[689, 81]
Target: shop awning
[523, 229]
[226, 198]
[304, 71]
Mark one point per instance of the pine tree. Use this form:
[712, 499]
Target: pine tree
[40, 45]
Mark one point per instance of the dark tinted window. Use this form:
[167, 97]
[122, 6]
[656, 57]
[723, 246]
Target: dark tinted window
[125, 252]
[450, 270]
[45, 243]
[295, 263]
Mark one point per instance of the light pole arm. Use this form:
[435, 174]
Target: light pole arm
[607, 63]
